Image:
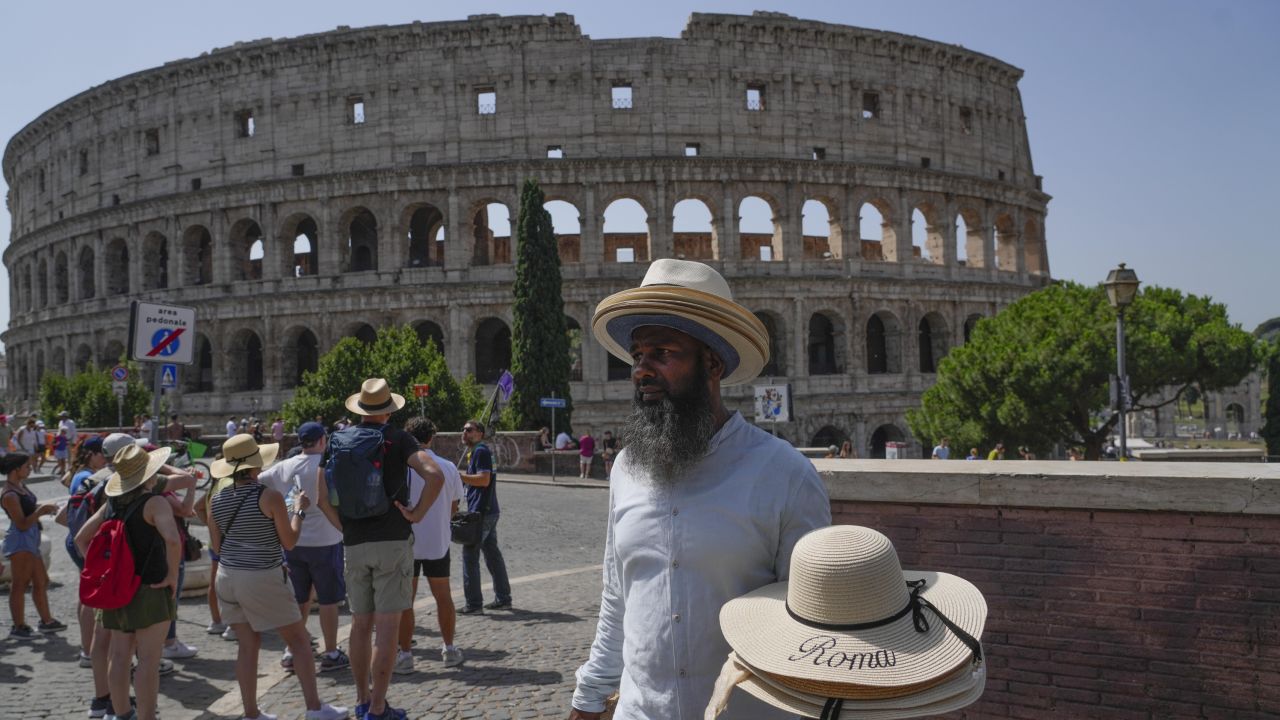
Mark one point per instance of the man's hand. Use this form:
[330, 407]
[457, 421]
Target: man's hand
[576, 714]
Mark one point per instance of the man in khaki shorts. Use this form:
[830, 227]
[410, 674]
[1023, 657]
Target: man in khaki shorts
[379, 549]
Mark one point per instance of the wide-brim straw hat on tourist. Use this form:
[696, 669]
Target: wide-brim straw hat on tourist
[695, 299]
[133, 467]
[851, 624]
[375, 398]
[241, 452]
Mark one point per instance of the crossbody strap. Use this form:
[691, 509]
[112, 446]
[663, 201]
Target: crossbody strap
[226, 533]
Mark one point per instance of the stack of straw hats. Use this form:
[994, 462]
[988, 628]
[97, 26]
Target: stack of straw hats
[854, 633]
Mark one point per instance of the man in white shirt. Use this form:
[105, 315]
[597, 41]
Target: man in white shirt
[231, 426]
[564, 441]
[66, 423]
[942, 451]
[316, 561]
[431, 551]
[703, 506]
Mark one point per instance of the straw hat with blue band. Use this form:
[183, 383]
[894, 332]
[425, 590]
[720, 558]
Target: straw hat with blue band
[240, 452]
[695, 299]
[133, 467]
[375, 398]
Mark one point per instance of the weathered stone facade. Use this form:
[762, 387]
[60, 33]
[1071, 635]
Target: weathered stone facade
[357, 164]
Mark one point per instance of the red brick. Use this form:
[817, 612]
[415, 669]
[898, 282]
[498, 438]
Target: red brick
[1243, 608]
[1193, 532]
[1074, 710]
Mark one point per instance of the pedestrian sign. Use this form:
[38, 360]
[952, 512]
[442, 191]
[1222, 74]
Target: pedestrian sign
[119, 373]
[120, 388]
[168, 376]
[552, 402]
[162, 333]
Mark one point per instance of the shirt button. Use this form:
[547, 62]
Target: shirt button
[681, 672]
[675, 563]
[675, 511]
[676, 617]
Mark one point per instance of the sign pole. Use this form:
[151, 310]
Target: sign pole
[156, 389]
[120, 413]
[553, 440]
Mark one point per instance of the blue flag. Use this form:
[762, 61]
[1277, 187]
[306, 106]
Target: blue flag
[506, 384]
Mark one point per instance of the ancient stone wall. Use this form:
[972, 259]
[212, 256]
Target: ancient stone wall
[297, 191]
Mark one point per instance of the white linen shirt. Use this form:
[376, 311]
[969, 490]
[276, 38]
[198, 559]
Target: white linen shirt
[673, 556]
[431, 534]
[302, 471]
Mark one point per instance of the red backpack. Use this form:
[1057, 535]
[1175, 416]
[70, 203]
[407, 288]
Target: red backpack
[110, 579]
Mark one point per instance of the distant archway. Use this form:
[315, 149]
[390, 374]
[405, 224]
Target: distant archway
[492, 349]
[882, 436]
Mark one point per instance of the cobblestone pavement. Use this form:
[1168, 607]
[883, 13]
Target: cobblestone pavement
[520, 663]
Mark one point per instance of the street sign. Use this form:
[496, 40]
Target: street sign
[162, 333]
[168, 376]
[773, 403]
[120, 388]
[421, 391]
[553, 402]
[119, 373]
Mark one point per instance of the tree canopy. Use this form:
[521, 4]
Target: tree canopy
[1271, 409]
[540, 353]
[88, 398]
[1038, 373]
[397, 355]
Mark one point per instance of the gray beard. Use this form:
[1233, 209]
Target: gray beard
[665, 439]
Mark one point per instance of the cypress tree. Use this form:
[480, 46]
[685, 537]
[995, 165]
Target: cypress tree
[1271, 410]
[540, 360]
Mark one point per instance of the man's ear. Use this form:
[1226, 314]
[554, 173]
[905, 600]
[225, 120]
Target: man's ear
[713, 363]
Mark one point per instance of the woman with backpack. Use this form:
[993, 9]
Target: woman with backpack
[22, 548]
[249, 525]
[90, 458]
[135, 526]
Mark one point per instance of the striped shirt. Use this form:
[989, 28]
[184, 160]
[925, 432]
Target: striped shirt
[253, 543]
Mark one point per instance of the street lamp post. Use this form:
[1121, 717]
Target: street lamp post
[1122, 288]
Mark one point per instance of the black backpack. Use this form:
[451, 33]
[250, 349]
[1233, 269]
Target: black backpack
[353, 472]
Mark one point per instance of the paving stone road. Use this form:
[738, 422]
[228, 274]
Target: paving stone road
[520, 663]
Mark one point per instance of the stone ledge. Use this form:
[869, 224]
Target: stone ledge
[1238, 488]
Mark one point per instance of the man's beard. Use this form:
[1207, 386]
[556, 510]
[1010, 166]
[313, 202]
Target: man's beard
[667, 437]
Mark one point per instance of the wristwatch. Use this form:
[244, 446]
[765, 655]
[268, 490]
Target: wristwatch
[301, 513]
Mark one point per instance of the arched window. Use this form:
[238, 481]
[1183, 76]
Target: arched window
[626, 233]
[829, 435]
[821, 234]
[42, 284]
[877, 237]
[247, 250]
[426, 237]
[200, 379]
[116, 257]
[306, 250]
[493, 349]
[822, 345]
[365, 334]
[302, 356]
[491, 235]
[566, 224]
[932, 341]
[777, 365]
[84, 358]
[362, 241]
[694, 230]
[884, 338]
[155, 267]
[758, 231]
[1006, 243]
[428, 332]
[197, 251]
[882, 436]
[61, 279]
[86, 273]
[246, 361]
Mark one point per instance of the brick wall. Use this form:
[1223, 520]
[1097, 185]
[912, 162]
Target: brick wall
[1107, 613]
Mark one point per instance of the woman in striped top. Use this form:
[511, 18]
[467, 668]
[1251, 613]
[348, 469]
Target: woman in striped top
[248, 526]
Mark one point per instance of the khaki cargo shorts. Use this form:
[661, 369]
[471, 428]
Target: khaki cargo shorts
[380, 576]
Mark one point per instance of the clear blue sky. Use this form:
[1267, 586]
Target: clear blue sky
[1155, 123]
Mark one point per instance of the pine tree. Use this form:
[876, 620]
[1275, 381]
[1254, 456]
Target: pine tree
[540, 360]
[1271, 410]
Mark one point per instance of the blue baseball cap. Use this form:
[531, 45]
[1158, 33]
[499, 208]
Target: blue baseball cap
[310, 432]
[93, 444]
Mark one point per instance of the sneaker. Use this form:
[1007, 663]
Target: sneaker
[229, 634]
[404, 663]
[100, 706]
[179, 651]
[327, 712]
[388, 713]
[452, 658]
[471, 610]
[22, 632]
[51, 627]
[286, 660]
[86, 661]
[338, 660]
[216, 628]
[362, 709]
[166, 666]
[261, 716]
[498, 605]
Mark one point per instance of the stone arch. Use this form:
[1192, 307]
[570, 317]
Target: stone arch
[42, 283]
[200, 378]
[827, 436]
[884, 344]
[759, 231]
[927, 237]
[39, 367]
[884, 245]
[693, 224]
[820, 225]
[87, 268]
[430, 331]
[197, 256]
[112, 353]
[574, 330]
[245, 361]
[970, 323]
[425, 236]
[883, 435]
[970, 250]
[490, 234]
[247, 249]
[155, 265]
[623, 240]
[84, 357]
[360, 250]
[362, 331]
[566, 225]
[492, 349]
[61, 278]
[1033, 242]
[300, 233]
[932, 341]
[775, 326]
[59, 361]
[115, 258]
[1006, 243]
[825, 344]
[301, 354]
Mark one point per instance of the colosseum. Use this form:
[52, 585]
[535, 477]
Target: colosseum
[303, 190]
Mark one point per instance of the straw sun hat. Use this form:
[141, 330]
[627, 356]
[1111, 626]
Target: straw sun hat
[695, 299]
[375, 398]
[852, 627]
[241, 452]
[133, 467]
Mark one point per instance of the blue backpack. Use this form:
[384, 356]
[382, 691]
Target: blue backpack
[353, 472]
[81, 507]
